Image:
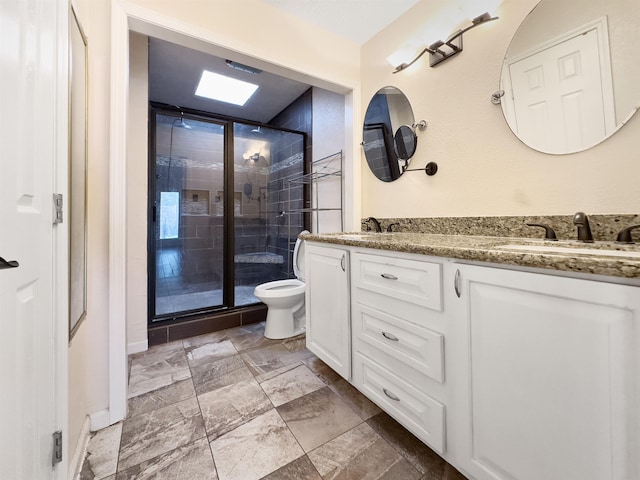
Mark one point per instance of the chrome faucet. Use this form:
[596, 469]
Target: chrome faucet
[584, 230]
[376, 224]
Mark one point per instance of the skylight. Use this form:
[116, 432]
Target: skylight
[224, 89]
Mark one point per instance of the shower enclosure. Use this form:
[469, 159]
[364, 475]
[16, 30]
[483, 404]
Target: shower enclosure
[221, 215]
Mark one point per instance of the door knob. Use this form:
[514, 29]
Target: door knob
[8, 264]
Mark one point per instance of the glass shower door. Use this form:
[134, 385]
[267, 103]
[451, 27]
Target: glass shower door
[268, 206]
[188, 215]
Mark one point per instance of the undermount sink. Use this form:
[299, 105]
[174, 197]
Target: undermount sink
[358, 236]
[572, 249]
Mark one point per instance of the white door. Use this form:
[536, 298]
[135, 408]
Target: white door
[559, 99]
[29, 140]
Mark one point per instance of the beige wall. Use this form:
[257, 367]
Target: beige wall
[137, 195]
[88, 351]
[273, 39]
[484, 170]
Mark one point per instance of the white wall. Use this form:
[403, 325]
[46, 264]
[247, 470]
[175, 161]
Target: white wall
[484, 170]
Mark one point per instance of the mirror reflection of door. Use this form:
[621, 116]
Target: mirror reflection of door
[562, 93]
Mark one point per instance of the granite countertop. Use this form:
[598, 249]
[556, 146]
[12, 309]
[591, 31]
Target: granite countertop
[600, 258]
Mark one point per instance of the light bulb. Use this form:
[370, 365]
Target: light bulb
[405, 53]
[473, 8]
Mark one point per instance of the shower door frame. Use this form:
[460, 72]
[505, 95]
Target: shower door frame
[228, 282]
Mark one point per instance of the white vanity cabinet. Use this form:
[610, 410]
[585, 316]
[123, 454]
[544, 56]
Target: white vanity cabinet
[547, 376]
[398, 340]
[327, 305]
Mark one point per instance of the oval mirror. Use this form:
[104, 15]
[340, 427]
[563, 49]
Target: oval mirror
[570, 76]
[388, 117]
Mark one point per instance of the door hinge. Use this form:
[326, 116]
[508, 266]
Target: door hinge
[57, 447]
[57, 208]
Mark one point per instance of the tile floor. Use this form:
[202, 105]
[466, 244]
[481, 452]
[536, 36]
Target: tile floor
[233, 405]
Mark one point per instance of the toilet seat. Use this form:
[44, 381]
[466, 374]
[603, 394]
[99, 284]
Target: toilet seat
[298, 258]
[280, 288]
[292, 286]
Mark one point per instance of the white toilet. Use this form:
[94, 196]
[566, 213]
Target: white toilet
[285, 300]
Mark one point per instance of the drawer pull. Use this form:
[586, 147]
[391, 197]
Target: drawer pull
[388, 276]
[391, 337]
[390, 395]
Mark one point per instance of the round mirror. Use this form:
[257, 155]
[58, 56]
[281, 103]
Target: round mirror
[387, 119]
[570, 76]
[405, 142]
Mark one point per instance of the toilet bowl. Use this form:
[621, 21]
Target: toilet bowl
[285, 300]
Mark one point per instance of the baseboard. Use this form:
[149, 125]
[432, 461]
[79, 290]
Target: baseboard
[100, 420]
[75, 465]
[138, 347]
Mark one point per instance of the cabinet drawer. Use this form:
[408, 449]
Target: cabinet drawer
[419, 413]
[417, 347]
[407, 280]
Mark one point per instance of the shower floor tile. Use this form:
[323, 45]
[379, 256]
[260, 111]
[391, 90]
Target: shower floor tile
[170, 302]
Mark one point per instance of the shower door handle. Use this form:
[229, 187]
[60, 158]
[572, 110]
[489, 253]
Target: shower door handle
[8, 264]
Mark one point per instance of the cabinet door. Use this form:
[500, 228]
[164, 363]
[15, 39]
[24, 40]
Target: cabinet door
[327, 306]
[550, 378]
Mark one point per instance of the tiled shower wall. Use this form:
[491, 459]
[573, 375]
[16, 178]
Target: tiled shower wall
[283, 229]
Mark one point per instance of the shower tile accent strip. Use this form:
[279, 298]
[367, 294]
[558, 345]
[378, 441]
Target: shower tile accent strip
[604, 227]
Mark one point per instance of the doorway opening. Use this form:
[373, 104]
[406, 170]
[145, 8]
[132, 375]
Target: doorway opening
[223, 215]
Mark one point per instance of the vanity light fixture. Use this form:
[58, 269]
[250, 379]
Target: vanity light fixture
[441, 50]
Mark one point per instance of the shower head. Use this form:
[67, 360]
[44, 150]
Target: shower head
[181, 123]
